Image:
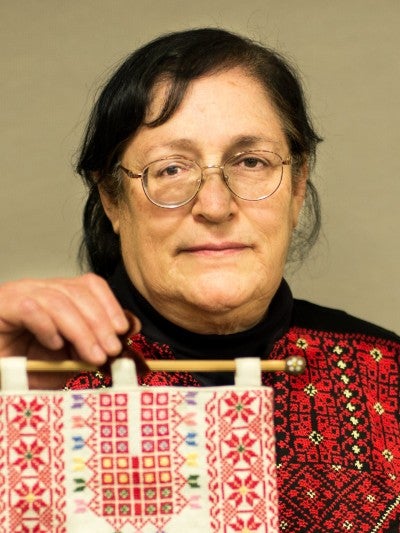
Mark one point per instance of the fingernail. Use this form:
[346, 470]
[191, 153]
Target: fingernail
[134, 322]
[57, 342]
[98, 355]
[113, 344]
[120, 323]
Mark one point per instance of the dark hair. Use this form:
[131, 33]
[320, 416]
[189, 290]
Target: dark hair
[181, 58]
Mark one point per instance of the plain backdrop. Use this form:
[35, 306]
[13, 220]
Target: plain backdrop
[56, 53]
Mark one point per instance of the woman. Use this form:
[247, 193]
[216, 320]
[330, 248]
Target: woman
[198, 156]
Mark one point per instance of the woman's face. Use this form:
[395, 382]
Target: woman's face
[213, 265]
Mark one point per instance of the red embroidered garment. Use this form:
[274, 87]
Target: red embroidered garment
[337, 430]
[336, 426]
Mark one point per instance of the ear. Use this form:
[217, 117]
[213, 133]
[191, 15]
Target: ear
[111, 208]
[299, 193]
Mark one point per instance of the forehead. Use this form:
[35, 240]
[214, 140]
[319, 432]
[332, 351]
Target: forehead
[216, 110]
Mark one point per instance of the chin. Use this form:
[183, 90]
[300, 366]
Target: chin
[224, 312]
[221, 297]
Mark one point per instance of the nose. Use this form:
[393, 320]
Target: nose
[214, 201]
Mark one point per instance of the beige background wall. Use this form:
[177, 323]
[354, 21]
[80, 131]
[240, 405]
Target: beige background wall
[55, 53]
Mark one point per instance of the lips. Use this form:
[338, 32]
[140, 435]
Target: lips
[221, 247]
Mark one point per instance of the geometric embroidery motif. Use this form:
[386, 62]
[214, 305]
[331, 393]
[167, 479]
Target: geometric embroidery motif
[32, 488]
[146, 460]
[139, 483]
[114, 461]
[242, 461]
[337, 430]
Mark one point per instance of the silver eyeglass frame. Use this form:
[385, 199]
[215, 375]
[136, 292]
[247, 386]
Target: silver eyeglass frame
[141, 175]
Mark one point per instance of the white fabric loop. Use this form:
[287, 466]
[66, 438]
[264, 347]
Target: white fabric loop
[248, 372]
[123, 371]
[14, 374]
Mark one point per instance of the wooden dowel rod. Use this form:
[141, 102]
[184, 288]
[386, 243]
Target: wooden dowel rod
[158, 366]
[59, 366]
[209, 366]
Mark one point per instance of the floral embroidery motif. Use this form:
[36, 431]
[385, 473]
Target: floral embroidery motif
[243, 489]
[388, 455]
[28, 413]
[240, 407]
[302, 343]
[244, 471]
[376, 354]
[310, 390]
[28, 455]
[31, 479]
[30, 497]
[316, 438]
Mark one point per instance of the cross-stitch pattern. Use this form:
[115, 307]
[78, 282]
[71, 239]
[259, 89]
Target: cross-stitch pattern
[152, 460]
[32, 479]
[336, 429]
[241, 478]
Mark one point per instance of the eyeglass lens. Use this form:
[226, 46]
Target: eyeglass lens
[174, 181]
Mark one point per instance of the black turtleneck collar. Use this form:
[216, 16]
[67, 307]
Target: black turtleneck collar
[256, 341]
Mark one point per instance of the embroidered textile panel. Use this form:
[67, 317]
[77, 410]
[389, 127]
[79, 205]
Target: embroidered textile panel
[151, 460]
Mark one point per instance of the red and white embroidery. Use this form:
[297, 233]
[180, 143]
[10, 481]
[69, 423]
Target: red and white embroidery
[151, 460]
[241, 452]
[33, 492]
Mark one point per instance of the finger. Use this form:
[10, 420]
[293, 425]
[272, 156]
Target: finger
[82, 310]
[134, 323]
[69, 324]
[40, 324]
[104, 295]
[93, 308]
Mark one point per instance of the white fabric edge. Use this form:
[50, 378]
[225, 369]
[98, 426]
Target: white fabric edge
[14, 374]
[248, 372]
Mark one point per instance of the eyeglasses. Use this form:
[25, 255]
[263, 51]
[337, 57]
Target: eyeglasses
[174, 181]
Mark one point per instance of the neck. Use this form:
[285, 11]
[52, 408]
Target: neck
[211, 320]
[159, 328]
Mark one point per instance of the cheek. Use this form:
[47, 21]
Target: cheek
[130, 226]
[145, 231]
[139, 248]
[136, 233]
[274, 219]
[274, 226]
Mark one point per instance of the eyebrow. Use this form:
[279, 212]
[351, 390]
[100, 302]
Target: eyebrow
[247, 141]
[241, 142]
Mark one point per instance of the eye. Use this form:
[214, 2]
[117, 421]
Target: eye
[250, 162]
[253, 162]
[170, 169]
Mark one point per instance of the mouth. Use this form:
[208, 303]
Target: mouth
[213, 249]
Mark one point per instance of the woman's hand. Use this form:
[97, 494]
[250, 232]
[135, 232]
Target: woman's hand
[57, 319]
